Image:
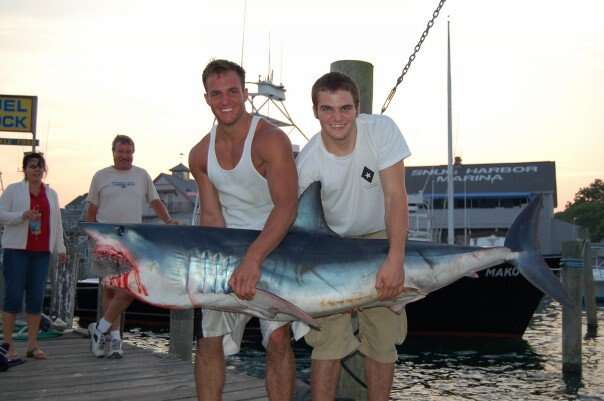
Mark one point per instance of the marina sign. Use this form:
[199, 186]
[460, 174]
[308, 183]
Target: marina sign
[18, 113]
[19, 142]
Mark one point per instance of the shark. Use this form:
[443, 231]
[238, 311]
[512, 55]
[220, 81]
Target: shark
[312, 273]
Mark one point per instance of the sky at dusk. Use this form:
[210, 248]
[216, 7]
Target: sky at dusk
[528, 77]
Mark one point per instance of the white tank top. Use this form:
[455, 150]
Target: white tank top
[243, 192]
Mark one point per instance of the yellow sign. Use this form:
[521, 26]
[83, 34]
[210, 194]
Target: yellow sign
[18, 113]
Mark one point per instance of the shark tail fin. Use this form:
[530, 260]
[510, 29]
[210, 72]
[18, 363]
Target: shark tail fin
[523, 240]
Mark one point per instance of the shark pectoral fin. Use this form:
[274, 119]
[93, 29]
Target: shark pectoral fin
[408, 295]
[281, 305]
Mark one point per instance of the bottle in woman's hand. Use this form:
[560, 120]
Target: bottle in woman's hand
[35, 222]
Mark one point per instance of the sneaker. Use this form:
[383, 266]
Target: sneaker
[97, 342]
[115, 349]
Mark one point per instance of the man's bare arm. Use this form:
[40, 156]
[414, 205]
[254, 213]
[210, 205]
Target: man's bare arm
[91, 212]
[390, 277]
[210, 211]
[282, 177]
[161, 211]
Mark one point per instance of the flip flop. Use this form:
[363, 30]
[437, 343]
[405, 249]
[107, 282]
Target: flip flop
[36, 353]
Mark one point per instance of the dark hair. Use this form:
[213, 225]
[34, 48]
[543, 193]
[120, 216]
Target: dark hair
[31, 156]
[123, 139]
[221, 66]
[333, 81]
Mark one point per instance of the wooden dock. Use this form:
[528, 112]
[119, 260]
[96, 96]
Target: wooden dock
[72, 373]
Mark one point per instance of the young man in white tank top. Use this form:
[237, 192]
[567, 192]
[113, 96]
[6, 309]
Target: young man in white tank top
[247, 178]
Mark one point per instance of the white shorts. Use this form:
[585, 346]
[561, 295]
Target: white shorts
[231, 326]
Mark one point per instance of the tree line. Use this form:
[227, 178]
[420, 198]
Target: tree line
[587, 210]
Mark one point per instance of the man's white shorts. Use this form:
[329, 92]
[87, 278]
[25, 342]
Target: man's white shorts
[231, 326]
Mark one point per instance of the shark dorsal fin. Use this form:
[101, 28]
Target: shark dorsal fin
[310, 217]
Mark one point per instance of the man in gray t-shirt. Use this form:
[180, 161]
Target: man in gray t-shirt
[118, 194]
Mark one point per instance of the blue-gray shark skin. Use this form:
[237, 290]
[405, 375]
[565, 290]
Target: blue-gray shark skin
[312, 273]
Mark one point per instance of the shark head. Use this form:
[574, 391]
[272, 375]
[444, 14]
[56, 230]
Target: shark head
[128, 260]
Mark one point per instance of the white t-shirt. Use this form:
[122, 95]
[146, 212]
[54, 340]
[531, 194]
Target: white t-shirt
[121, 195]
[351, 189]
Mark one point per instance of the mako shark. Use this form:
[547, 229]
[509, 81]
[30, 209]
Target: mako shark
[312, 273]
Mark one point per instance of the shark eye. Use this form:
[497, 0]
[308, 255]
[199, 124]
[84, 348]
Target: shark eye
[119, 230]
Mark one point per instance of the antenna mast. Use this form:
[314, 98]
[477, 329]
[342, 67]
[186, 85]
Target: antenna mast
[269, 76]
[243, 31]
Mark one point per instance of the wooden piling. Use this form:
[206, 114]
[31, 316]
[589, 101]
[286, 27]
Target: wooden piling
[572, 279]
[361, 73]
[100, 301]
[352, 378]
[181, 333]
[589, 291]
[64, 282]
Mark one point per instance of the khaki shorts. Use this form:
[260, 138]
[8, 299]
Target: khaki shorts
[380, 330]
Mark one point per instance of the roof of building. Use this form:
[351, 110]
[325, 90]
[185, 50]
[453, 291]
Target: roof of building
[186, 187]
[179, 167]
[503, 180]
[77, 202]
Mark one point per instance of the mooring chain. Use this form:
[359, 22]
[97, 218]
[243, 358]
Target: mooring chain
[412, 56]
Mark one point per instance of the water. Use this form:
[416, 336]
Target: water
[530, 369]
[463, 369]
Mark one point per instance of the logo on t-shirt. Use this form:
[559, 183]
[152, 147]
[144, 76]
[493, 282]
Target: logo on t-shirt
[123, 184]
[367, 174]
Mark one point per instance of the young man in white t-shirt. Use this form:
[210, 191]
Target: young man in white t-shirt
[117, 195]
[359, 161]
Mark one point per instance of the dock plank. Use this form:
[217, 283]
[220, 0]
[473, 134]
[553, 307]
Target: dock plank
[72, 373]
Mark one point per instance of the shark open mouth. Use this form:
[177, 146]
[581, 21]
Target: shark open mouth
[118, 264]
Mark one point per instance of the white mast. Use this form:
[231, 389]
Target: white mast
[450, 204]
[243, 31]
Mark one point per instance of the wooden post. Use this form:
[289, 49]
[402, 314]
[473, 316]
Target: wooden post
[572, 272]
[181, 333]
[64, 282]
[361, 73]
[590, 296]
[352, 378]
[100, 300]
